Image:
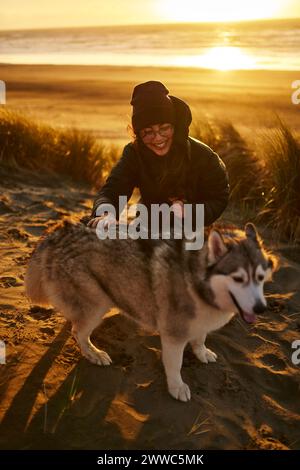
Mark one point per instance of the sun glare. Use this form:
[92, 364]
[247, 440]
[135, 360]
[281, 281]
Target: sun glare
[217, 10]
[219, 58]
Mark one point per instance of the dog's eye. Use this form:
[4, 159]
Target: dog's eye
[238, 279]
[260, 277]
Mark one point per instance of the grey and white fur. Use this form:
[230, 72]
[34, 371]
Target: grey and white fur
[185, 295]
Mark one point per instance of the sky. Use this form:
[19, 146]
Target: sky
[24, 14]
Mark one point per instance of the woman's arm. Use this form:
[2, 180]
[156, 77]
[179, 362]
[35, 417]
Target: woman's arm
[213, 186]
[121, 182]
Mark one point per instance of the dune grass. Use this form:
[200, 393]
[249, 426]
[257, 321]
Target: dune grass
[26, 144]
[265, 181]
[280, 153]
[242, 163]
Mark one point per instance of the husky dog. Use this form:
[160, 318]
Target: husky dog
[183, 294]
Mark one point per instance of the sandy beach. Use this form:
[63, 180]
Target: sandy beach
[97, 98]
[50, 397]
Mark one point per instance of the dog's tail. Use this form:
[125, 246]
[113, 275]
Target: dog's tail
[34, 282]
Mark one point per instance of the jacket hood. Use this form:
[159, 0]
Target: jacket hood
[183, 119]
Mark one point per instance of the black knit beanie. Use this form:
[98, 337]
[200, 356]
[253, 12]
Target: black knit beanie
[151, 105]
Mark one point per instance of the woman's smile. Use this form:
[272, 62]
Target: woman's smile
[158, 138]
[160, 148]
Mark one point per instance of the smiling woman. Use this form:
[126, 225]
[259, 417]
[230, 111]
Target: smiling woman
[164, 163]
[218, 10]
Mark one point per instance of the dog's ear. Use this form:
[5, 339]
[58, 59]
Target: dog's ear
[216, 247]
[252, 234]
[273, 265]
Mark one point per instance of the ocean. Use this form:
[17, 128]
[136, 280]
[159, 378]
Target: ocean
[269, 45]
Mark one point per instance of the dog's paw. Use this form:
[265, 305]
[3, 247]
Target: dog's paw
[182, 392]
[97, 356]
[205, 355]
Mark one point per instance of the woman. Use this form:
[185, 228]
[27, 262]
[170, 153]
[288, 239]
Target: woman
[165, 163]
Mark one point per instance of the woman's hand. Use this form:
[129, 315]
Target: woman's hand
[106, 220]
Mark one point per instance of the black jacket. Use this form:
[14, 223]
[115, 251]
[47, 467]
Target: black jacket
[206, 178]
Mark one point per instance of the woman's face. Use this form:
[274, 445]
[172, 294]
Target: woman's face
[158, 137]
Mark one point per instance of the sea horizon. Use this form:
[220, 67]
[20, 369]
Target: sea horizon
[271, 44]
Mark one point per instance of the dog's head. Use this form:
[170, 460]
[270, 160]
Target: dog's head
[239, 265]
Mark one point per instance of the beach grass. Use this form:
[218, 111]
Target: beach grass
[280, 154]
[242, 163]
[28, 144]
[264, 179]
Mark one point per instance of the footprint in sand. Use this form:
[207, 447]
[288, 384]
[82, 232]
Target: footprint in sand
[17, 234]
[35, 230]
[48, 330]
[274, 362]
[8, 281]
[40, 313]
[40, 212]
[5, 208]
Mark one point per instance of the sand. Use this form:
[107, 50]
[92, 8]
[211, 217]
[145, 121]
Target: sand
[51, 397]
[96, 98]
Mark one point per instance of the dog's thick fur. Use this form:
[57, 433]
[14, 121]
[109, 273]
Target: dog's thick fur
[183, 294]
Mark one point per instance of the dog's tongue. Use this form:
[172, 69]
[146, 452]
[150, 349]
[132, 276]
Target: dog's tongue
[249, 317]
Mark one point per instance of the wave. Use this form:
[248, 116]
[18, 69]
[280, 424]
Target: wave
[272, 44]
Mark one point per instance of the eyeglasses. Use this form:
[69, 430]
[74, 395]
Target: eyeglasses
[164, 131]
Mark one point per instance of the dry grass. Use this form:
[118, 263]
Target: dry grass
[242, 163]
[281, 156]
[26, 144]
[266, 181]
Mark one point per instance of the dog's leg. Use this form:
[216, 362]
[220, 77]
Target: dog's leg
[201, 351]
[172, 355]
[82, 329]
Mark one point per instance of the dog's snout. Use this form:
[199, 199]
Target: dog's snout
[259, 307]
